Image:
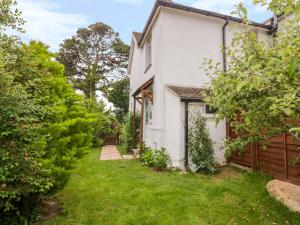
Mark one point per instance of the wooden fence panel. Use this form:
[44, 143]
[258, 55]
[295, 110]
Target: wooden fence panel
[273, 159]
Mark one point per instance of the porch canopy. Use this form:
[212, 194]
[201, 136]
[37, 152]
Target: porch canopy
[139, 95]
[190, 94]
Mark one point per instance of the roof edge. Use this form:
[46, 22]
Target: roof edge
[173, 5]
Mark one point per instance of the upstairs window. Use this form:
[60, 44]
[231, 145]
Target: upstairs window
[148, 47]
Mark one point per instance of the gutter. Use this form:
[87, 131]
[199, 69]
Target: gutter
[225, 62]
[224, 45]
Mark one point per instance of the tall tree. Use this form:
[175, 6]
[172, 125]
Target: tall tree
[259, 93]
[118, 94]
[10, 17]
[93, 58]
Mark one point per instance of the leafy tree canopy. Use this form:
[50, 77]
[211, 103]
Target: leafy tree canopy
[118, 94]
[259, 93]
[10, 17]
[93, 58]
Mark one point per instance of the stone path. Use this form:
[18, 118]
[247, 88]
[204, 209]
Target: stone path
[128, 157]
[288, 194]
[110, 152]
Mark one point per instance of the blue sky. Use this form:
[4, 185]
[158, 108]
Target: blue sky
[51, 21]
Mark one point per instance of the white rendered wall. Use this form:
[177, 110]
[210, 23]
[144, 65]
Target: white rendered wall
[180, 43]
[174, 127]
[217, 132]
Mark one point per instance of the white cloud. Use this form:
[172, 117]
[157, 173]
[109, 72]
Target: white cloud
[46, 22]
[221, 6]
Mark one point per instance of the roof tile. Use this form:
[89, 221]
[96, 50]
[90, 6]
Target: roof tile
[188, 92]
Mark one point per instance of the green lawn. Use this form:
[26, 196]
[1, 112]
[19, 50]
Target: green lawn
[124, 192]
[122, 149]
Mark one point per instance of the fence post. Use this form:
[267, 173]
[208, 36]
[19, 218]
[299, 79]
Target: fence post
[253, 157]
[286, 166]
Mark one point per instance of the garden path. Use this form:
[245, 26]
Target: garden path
[110, 152]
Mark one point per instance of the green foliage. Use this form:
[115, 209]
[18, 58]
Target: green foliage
[259, 94]
[106, 123]
[280, 6]
[45, 128]
[67, 124]
[118, 94]
[22, 175]
[200, 146]
[10, 17]
[127, 131]
[44, 125]
[155, 158]
[93, 58]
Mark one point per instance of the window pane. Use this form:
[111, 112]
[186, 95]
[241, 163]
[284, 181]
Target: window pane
[209, 109]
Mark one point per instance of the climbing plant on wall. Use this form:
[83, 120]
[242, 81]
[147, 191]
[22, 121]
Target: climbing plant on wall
[200, 145]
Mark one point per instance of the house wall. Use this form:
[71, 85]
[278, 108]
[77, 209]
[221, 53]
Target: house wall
[283, 21]
[180, 43]
[216, 131]
[186, 41]
[174, 128]
[139, 75]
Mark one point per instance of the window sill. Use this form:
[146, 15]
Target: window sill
[148, 67]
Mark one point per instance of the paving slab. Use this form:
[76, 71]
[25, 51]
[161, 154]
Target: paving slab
[128, 157]
[110, 152]
[287, 193]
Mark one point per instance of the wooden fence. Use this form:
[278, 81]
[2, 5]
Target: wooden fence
[273, 159]
[112, 139]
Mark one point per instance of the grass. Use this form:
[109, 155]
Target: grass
[122, 149]
[124, 192]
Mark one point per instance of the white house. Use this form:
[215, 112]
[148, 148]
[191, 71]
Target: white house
[165, 75]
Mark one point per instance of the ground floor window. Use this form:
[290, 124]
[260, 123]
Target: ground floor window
[209, 110]
[148, 111]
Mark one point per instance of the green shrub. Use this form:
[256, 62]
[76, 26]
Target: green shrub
[106, 123]
[44, 128]
[67, 125]
[23, 178]
[155, 158]
[200, 146]
[127, 131]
